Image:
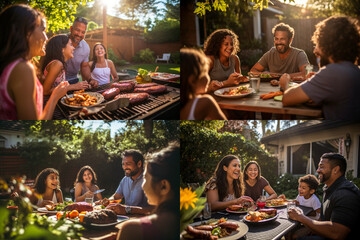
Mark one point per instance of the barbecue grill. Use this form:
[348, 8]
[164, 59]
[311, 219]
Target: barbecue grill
[160, 106]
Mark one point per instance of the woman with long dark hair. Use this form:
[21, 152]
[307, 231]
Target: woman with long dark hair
[59, 49]
[226, 186]
[161, 187]
[23, 36]
[101, 68]
[47, 185]
[255, 183]
[85, 184]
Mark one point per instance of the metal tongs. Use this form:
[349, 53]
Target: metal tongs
[108, 106]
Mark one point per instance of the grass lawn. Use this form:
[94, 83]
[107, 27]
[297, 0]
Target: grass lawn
[167, 68]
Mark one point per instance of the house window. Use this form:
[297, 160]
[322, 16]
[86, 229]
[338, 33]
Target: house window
[305, 158]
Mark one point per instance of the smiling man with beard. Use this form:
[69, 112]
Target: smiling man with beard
[81, 54]
[336, 86]
[283, 58]
[130, 188]
[340, 211]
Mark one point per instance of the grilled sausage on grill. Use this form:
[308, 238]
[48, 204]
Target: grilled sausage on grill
[111, 93]
[134, 97]
[124, 87]
[152, 90]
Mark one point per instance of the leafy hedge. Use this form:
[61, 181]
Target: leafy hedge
[202, 148]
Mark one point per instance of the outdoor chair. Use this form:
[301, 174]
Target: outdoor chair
[165, 57]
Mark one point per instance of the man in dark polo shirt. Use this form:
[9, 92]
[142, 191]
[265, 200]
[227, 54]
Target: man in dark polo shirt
[340, 211]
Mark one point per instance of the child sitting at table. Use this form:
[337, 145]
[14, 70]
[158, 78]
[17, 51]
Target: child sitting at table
[101, 67]
[307, 187]
[47, 185]
[195, 105]
[59, 49]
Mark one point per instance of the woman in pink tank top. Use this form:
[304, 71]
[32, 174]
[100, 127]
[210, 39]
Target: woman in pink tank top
[59, 49]
[21, 93]
[161, 187]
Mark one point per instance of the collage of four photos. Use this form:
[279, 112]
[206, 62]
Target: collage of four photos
[176, 119]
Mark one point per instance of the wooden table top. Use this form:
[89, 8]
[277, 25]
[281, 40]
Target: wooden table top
[254, 103]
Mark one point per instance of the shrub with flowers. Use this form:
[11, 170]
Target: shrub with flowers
[191, 203]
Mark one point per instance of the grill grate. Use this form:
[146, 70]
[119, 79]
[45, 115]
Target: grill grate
[154, 105]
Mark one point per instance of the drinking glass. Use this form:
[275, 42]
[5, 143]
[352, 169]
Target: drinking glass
[290, 205]
[255, 83]
[89, 199]
[262, 202]
[207, 211]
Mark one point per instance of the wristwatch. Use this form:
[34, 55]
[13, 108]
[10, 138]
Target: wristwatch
[128, 209]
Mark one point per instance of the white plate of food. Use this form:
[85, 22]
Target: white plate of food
[44, 210]
[234, 92]
[261, 216]
[237, 233]
[276, 203]
[81, 99]
[120, 219]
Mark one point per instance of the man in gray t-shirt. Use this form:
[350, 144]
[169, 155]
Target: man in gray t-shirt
[282, 58]
[336, 86]
[80, 61]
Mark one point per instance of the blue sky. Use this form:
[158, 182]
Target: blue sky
[114, 125]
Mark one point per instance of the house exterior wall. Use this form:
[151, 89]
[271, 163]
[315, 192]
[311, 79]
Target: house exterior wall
[12, 138]
[353, 130]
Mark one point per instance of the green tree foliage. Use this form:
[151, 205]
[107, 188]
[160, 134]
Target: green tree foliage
[204, 6]
[327, 8]
[59, 13]
[202, 148]
[137, 9]
[166, 30]
[172, 9]
[92, 25]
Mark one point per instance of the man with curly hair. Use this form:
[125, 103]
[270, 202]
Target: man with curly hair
[335, 86]
[283, 58]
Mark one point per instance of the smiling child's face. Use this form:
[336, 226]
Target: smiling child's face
[52, 181]
[304, 190]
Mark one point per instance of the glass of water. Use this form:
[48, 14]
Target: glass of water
[89, 199]
[255, 83]
[207, 211]
[291, 205]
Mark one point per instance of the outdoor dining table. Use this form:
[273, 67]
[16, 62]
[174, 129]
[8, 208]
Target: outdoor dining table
[102, 233]
[268, 230]
[254, 103]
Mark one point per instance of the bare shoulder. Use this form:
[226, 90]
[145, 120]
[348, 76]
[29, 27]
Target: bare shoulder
[24, 67]
[206, 98]
[236, 58]
[131, 230]
[109, 61]
[90, 63]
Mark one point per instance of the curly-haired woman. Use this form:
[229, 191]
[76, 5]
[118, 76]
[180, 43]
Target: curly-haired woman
[226, 187]
[221, 47]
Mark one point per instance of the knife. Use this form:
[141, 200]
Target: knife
[99, 191]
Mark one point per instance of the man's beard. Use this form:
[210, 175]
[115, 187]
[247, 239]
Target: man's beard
[325, 177]
[286, 47]
[132, 173]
